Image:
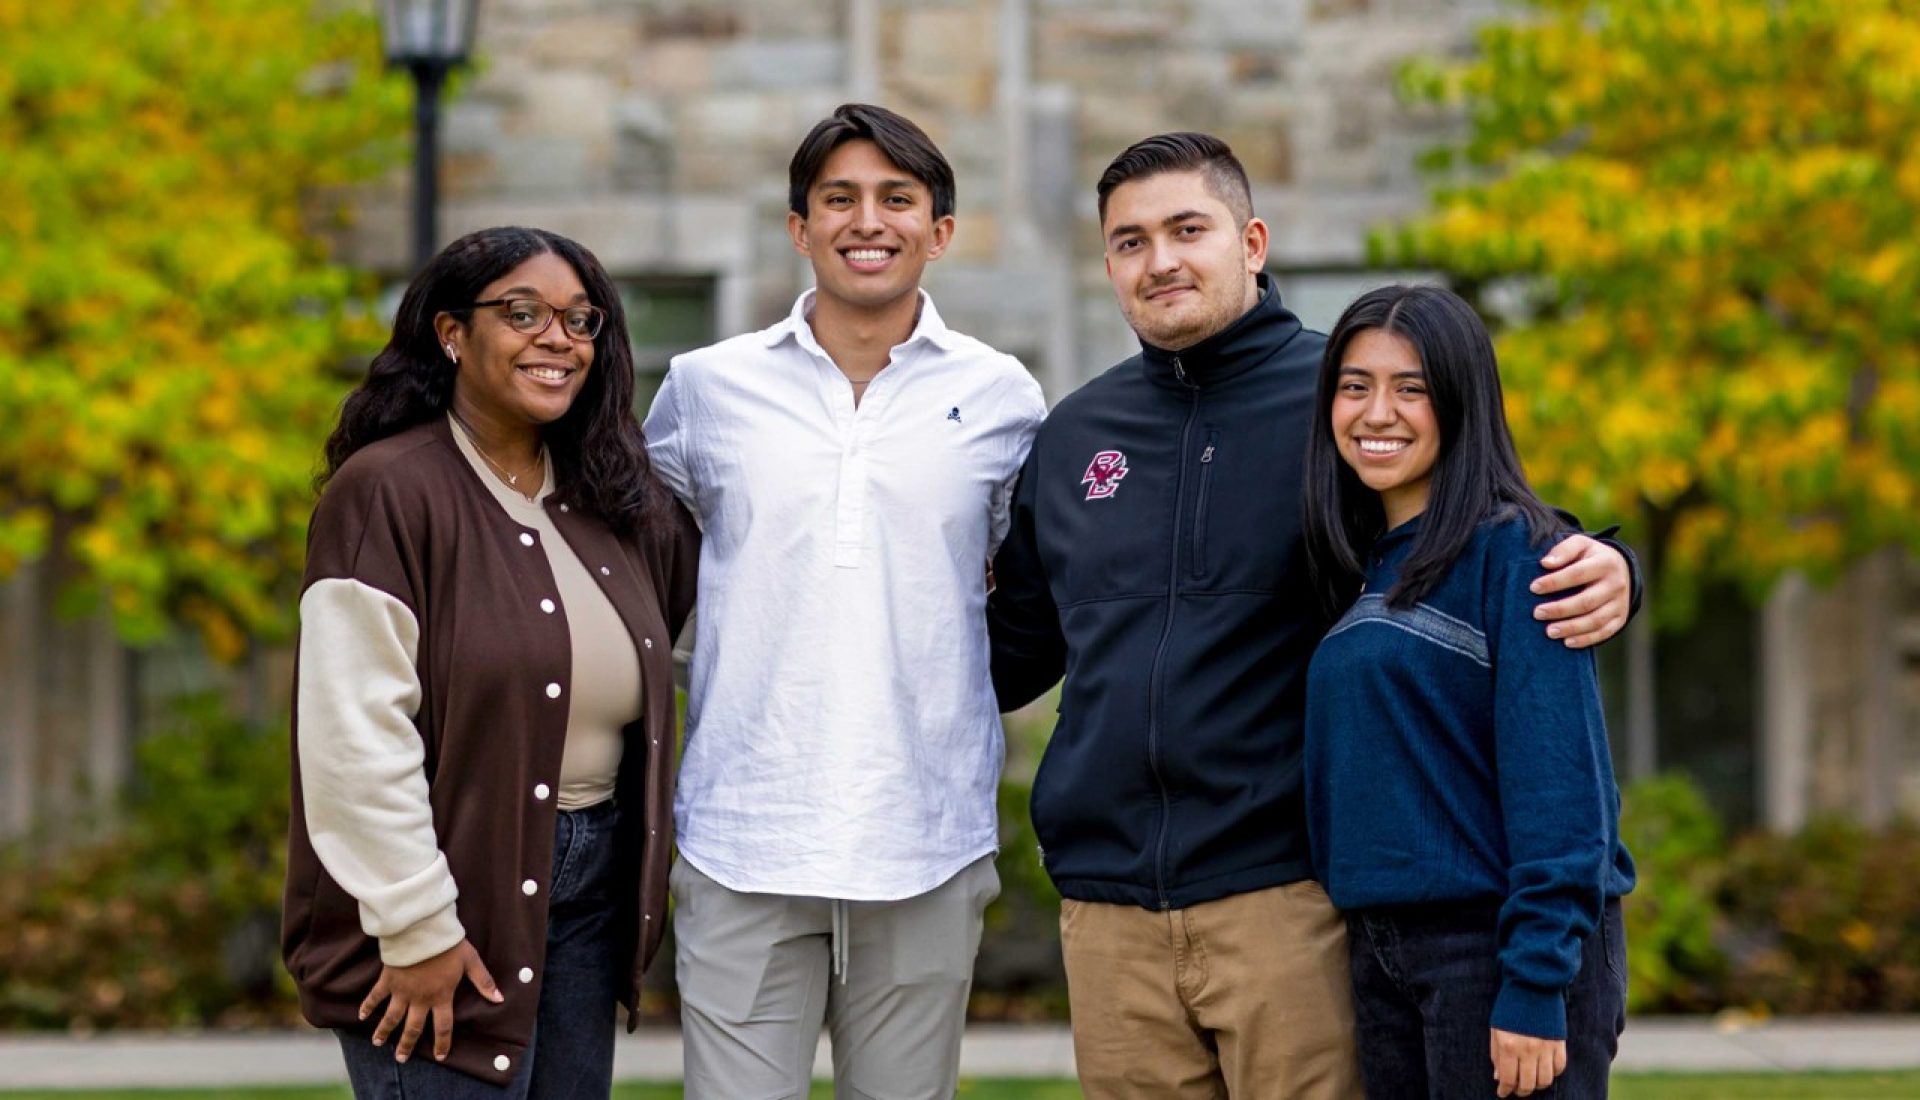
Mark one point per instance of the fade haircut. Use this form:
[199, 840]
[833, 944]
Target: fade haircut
[1183, 152]
[899, 140]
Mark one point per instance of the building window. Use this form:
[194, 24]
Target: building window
[666, 315]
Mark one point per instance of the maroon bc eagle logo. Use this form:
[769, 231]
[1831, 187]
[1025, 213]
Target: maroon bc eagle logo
[1103, 474]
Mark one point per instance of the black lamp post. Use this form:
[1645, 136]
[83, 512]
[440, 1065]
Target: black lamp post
[428, 38]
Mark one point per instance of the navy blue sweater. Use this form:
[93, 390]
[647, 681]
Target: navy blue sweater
[1454, 752]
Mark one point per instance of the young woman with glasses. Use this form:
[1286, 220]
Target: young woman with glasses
[484, 715]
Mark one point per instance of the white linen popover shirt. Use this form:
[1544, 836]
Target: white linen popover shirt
[842, 735]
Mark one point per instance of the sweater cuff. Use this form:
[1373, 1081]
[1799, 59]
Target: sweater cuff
[1526, 1010]
[424, 939]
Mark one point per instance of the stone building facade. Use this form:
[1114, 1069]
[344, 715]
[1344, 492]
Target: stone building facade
[658, 132]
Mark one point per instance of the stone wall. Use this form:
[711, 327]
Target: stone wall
[658, 133]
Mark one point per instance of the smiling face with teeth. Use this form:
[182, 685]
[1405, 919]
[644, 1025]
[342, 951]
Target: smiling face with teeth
[509, 384]
[1384, 423]
[869, 230]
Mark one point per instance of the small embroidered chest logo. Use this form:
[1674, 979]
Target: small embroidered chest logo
[1103, 475]
[954, 414]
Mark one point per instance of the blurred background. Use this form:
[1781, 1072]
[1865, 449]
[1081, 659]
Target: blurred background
[1692, 223]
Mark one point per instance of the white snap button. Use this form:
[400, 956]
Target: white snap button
[502, 1062]
[529, 887]
[526, 539]
[648, 642]
[541, 791]
[553, 691]
[605, 572]
[526, 974]
[546, 606]
[563, 507]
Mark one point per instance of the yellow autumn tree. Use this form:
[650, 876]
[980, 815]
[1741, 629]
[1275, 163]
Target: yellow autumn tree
[1699, 219]
[171, 332]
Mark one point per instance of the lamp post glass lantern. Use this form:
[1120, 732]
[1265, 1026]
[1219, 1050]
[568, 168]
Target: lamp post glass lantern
[428, 38]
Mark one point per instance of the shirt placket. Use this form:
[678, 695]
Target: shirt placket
[850, 502]
[850, 511]
[857, 423]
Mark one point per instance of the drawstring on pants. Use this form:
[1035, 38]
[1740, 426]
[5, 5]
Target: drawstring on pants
[840, 940]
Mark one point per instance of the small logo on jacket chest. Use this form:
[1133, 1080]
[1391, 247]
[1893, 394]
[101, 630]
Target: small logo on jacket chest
[1103, 475]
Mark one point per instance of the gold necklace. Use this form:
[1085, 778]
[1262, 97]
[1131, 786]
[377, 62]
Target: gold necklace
[512, 479]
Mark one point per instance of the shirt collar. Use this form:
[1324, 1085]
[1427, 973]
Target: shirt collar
[797, 325]
[1402, 533]
[1256, 337]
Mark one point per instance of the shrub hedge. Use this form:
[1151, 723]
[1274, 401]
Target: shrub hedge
[174, 922]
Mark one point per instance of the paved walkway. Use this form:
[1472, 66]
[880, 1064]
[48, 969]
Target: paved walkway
[207, 1060]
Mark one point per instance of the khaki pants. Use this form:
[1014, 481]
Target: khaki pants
[1249, 996]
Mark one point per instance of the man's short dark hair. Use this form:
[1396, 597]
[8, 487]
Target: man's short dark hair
[1183, 152]
[902, 142]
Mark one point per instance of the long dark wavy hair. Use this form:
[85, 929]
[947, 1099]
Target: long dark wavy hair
[1476, 476]
[599, 457]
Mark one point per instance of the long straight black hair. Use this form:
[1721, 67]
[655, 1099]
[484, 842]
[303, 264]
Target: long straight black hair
[1476, 475]
[599, 456]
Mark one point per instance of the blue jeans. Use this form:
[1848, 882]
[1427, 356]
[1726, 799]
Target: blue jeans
[570, 1056]
[1424, 981]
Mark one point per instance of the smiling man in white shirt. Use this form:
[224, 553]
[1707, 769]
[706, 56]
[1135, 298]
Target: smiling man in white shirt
[851, 469]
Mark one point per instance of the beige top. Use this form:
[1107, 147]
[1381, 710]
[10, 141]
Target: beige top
[606, 668]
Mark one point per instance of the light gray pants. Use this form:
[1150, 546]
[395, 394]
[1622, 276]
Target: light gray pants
[757, 979]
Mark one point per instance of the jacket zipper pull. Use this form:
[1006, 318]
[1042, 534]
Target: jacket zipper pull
[1180, 371]
[1206, 456]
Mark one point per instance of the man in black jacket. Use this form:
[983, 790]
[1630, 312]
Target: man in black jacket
[1155, 559]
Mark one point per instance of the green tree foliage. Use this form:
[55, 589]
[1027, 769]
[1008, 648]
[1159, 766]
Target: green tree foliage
[1706, 212]
[171, 331]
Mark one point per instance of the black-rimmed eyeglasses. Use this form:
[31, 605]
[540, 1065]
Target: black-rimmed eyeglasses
[532, 316]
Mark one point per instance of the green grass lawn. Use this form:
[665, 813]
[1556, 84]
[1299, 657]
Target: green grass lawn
[1766, 1086]
[1709, 1086]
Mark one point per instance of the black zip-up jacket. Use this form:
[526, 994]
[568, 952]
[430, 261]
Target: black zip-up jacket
[1155, 559]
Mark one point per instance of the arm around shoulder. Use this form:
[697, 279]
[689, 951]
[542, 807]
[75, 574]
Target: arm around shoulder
[1597, 583]
[677, 564]
[1029, 651]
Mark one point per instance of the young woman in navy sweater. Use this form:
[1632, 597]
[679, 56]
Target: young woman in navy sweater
[1461, 804]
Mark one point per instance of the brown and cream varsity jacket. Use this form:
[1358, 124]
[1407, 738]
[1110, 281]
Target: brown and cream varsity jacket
[431, 713]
